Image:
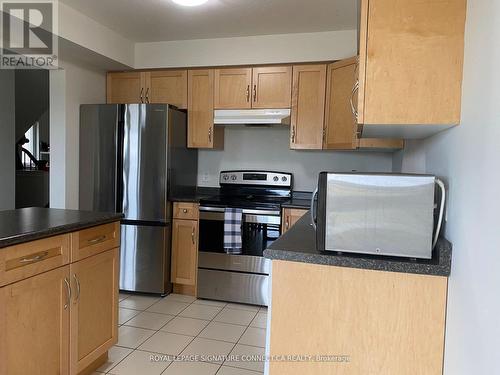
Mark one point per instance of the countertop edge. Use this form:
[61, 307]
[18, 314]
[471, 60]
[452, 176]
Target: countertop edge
[298, 244]
[360, 263]
[57, 230]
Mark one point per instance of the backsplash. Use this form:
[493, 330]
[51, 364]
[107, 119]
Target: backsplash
[268, 149]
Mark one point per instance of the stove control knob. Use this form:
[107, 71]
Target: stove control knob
[225, 177]
[233, 177]
[276, 178]
[284, 178]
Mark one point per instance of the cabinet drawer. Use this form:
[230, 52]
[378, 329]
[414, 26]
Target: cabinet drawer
[184, 210]
[22, 261]
[95, 240]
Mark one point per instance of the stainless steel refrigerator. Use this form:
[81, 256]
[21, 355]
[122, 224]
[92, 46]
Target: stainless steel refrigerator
[133, 158]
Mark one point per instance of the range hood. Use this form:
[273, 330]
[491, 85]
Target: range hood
[252, 117]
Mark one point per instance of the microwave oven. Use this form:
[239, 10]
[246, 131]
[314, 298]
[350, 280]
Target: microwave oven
[378, 213]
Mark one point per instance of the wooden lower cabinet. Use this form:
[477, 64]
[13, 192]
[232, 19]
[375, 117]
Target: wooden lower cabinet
[386, 323]
[94, 309]
[62, 320]
[290, 216]
[184, 252]
[34, 325]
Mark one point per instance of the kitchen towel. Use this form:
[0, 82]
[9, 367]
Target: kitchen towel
[232, 230]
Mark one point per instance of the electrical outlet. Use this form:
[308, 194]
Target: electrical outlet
[205, 177]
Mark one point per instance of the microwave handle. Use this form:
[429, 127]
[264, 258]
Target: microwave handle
[313, 211]
[441, 211]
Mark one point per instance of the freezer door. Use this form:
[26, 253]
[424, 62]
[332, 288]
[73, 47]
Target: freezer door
[98, 157]
[144, 176]
[145, 259]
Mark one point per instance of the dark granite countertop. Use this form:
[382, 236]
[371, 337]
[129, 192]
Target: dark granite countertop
[194, 196]
[28, 224]
[297, 203]
[299, 245]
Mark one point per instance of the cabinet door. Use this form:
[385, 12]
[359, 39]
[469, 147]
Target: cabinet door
[340, 122]
[169, 86]
[411, 58]
[126, 88]
[184, 252]
[232, 88]
[290, 217]
[308, 106]
[272, 87]
[94, 308]
[34, 325]
[201, 109]
[387, 323]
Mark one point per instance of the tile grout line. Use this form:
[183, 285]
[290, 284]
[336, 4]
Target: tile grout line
[221, 308]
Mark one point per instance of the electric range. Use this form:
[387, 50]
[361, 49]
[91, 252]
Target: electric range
[241, 278]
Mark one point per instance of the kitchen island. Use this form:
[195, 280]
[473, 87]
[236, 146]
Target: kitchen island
[354, 314]
[58, 290]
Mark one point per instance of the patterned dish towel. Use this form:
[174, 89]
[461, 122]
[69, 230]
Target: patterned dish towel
[232, 230]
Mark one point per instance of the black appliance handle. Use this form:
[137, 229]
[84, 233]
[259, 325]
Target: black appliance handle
[313, 211]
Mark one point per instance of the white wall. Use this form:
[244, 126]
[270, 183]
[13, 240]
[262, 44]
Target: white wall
[263, 49]
[269, 149]
[7, 140]
[84, 31]
[468, 158]
[69, 88]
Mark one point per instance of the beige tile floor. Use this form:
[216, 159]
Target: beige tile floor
[183, 325]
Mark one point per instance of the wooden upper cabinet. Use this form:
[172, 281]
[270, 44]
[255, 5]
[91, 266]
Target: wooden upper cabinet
[34, 325]
[201, 132]
[184, 251]
[308, 106]
[340, 122]
[125, 88]
[411, 57]
[94, 308]
[169, 86]
[232, 88]
[272, 86]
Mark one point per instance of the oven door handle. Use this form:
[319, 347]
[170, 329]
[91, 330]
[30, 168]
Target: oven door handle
[247, 218]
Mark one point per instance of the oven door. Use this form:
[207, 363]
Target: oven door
[259, 229]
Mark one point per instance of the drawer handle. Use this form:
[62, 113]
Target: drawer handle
[36, 258]
[93, 241]
[77, 282]
[185, 210]
[68, 293]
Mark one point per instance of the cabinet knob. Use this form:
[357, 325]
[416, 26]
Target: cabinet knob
[185, 210]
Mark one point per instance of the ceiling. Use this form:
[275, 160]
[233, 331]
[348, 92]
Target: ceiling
[162, 20]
